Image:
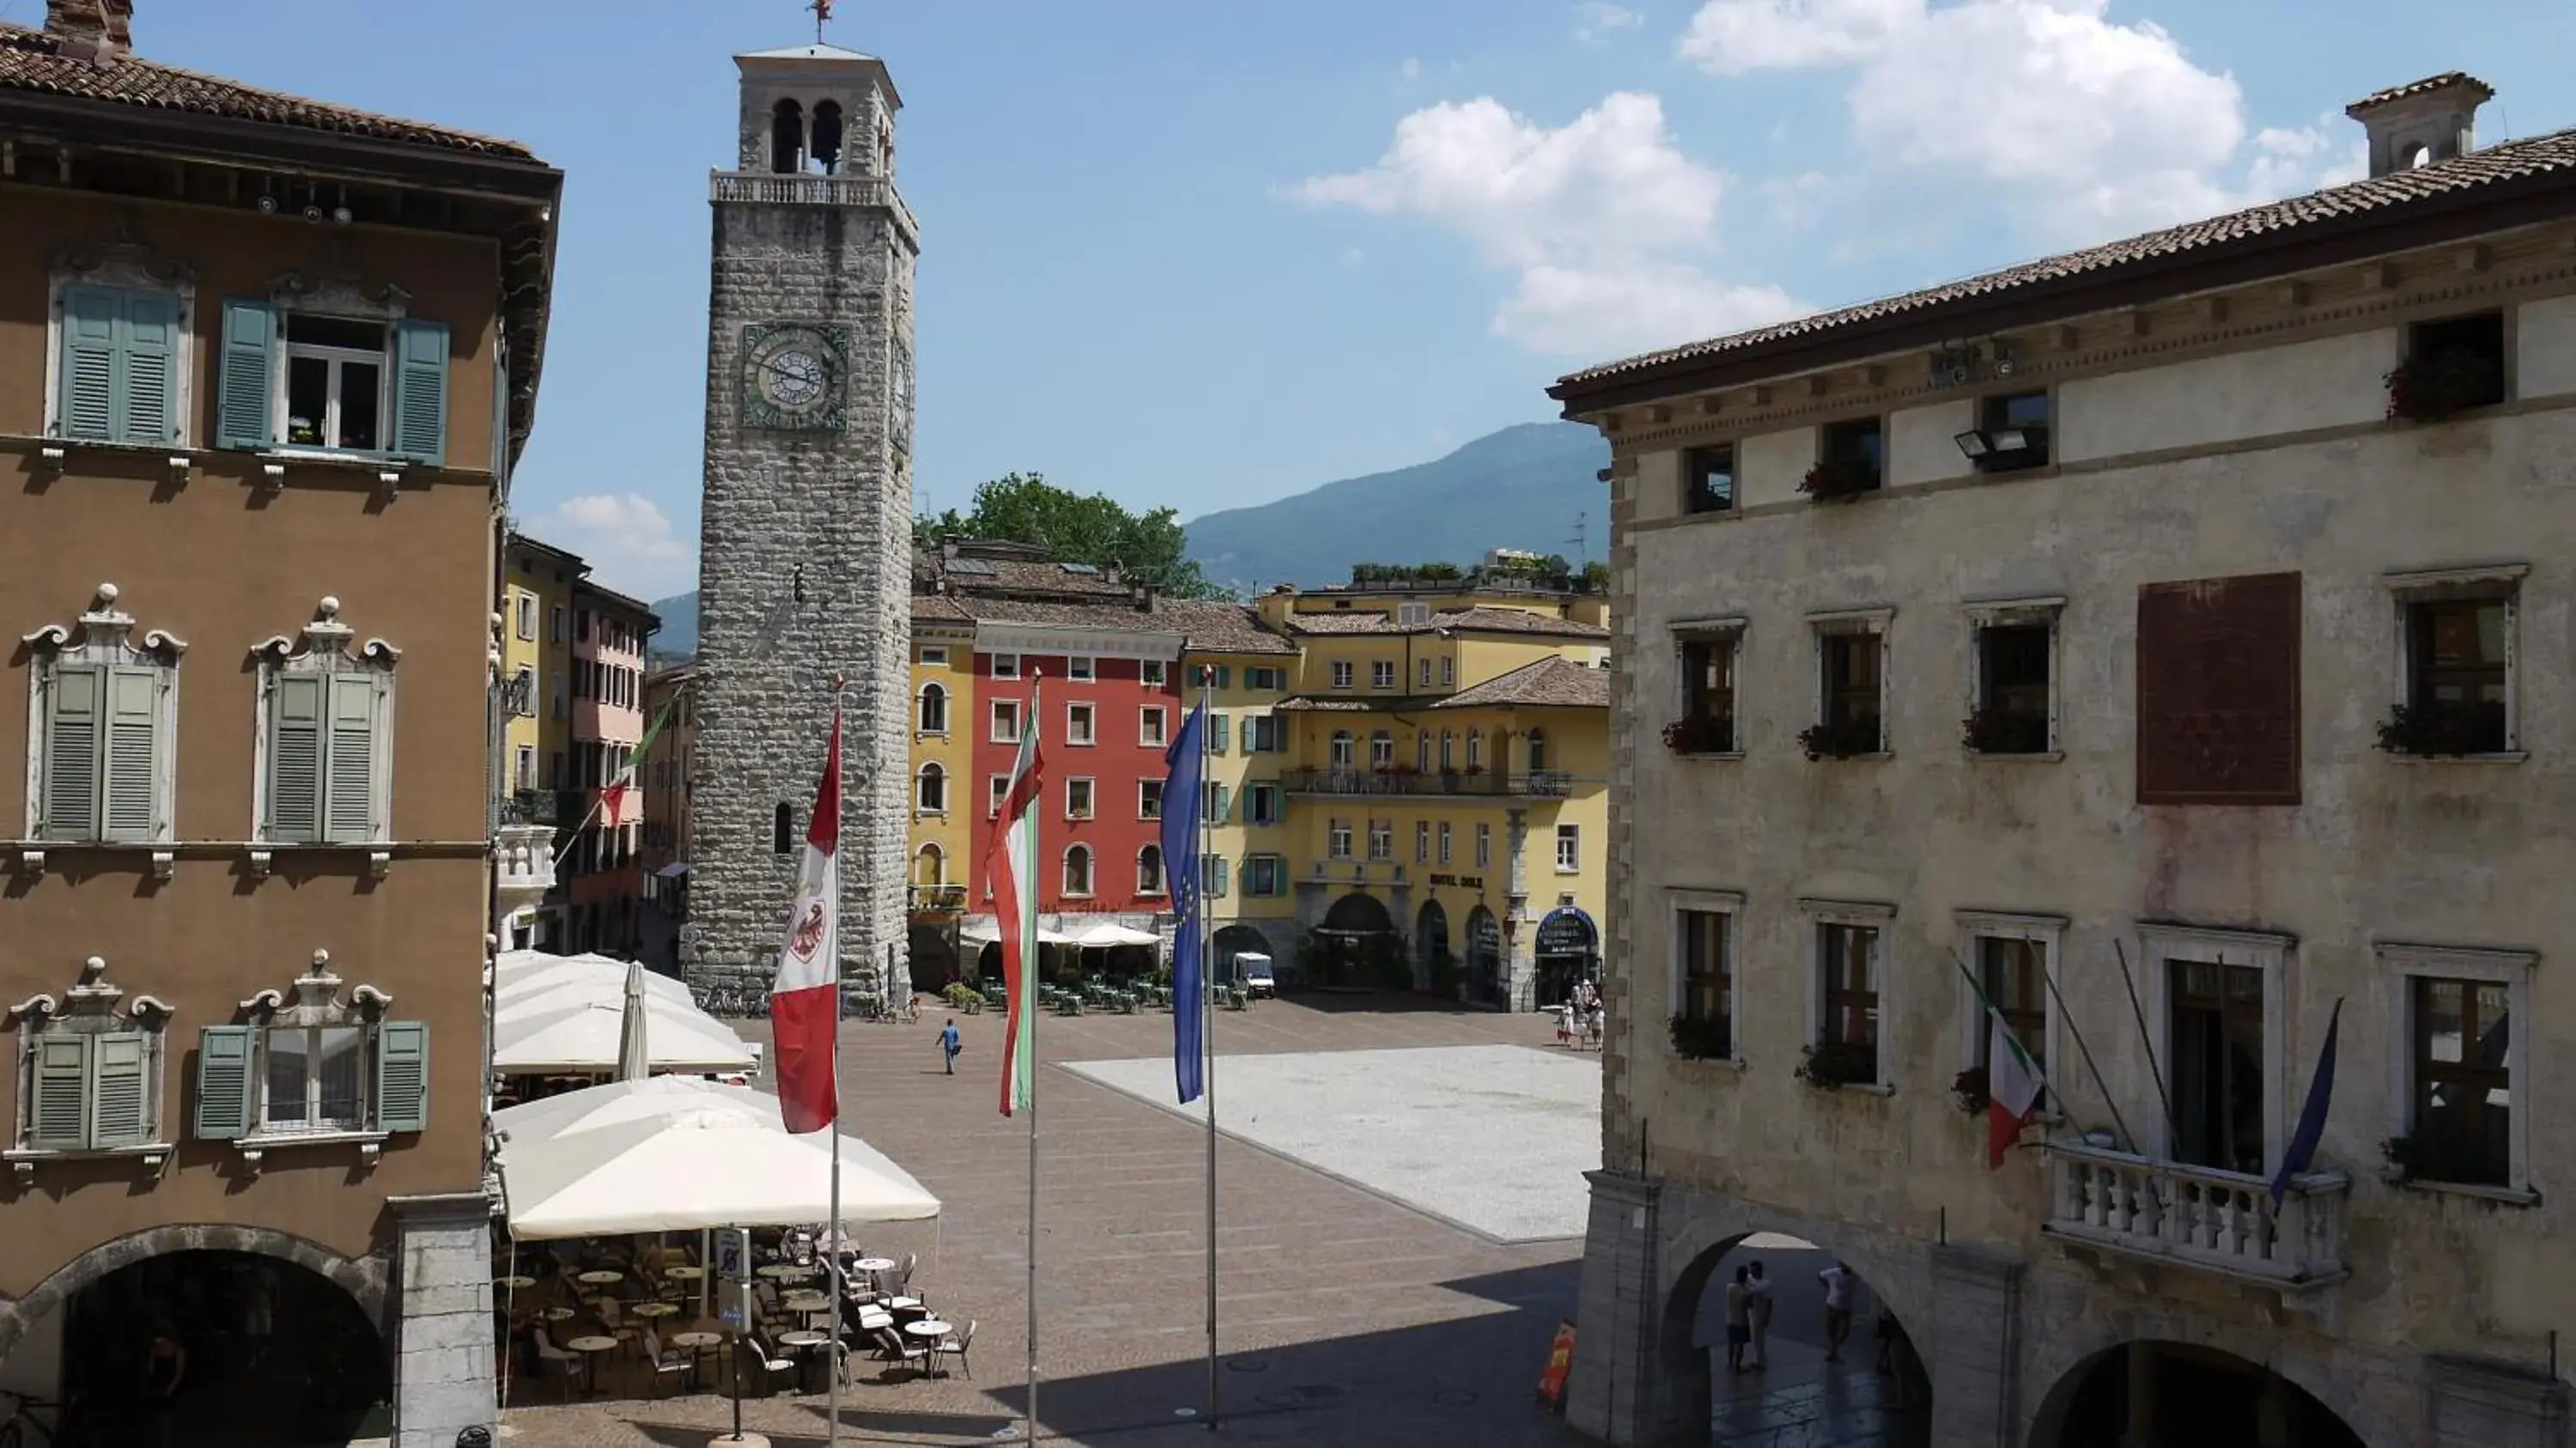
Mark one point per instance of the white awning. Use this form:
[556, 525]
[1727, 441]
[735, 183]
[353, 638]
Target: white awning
[983, 934]
[1107, 934]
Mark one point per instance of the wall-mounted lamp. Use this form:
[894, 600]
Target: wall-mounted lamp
[1997, 446]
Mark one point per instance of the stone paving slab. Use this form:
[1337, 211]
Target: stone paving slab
[1494, 1139]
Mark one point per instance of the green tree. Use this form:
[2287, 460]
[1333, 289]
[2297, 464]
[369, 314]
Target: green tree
[1075, 529]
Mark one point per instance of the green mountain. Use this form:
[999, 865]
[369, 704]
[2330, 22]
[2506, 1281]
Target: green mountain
[677, 638]
[1522, 487]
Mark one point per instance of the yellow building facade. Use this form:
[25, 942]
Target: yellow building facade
[943, 790]
[536, 651]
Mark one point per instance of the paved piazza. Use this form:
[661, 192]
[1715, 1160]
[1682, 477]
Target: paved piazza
[1348, 1317]
[1491, 1138]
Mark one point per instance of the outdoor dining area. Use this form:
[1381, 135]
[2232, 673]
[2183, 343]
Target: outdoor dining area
[662, 1232]
[1103, 969]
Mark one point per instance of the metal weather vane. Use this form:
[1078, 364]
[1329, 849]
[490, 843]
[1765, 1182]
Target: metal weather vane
[822, 16]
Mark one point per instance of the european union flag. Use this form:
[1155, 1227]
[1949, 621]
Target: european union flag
[1182, 810]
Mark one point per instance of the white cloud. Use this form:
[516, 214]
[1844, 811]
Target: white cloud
[1600, 217]
[628, 541]
[2095, 127]
[1598, 20]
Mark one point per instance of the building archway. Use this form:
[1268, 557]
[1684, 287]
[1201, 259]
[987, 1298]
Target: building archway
[1878, 1392]
[2182, 1393]
[1485, 978]
[1568, 949]
[1431, 942]
[1358, 947]
[1231, 941]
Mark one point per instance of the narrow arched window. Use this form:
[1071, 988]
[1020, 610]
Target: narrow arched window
[1077, 870]
[934, 709]
[933, 789]
[827, 136]
[930, 867]
[1475, 749]
[787, 138]
[1149, 870]
[1344, 753]
[782, 831]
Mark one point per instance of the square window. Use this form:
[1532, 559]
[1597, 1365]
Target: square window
[1150, 673]
[1082, 670]
[1150, 724]
[1382, 674]
[1006, 666]
[1077, 798]
[2452, 365]
[1149, 799]
[1852, 460]
[1078, 723]
[2459, 661]
[1342, 672]
[935, 655]
[2015, 688]
[314, 1078]
[2012, 433]
[1708, 480]
[1006, 721]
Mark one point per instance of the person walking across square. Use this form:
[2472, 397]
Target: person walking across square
[949, 1045]
[1838, 1309]
[1739, 1322]
[1760, 1317]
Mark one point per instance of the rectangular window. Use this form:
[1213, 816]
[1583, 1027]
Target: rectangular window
[1082, 670]
[1001, 790]
[1484, 846]
[1849, 957]
[1850, 707]
[1150, 724]
[1216, 803]
[527, 617]
[1006, 666]
[1078, 721]
[1340, 840]
[1077, 798]
[1569, 849]
[2451, 366]
[2014, 689]
[1448, 671]
[1422, 842]
[1342, 673]
[122, 366]
[1150, 673]
[555, 625]
[84, 1092]
[2458, 658]
[1708, 480]
[1212, 876]
[325, 781]
[1422, 673]
[2461, 1123]
[1149, 799]
[2012, 433]
[1272, 679]
[1262, 804]
[526, 772]
[1444, 842]
[1265, 875]
[101, 766]
[1706, 1008]
[1381, 840]
[1219, 730]
[1382, 674]
[2013, 974]
[1006, 721]
[315, 1080]
[1859, 449]
[934, 655]
[1708, 697]
[581, 626]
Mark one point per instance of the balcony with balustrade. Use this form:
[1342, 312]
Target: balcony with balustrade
[1412, 783]
[2120, 1208]
[935, 899]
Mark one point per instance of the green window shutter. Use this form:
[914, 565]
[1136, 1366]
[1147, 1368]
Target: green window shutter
[58, 1113]
[1217, 873]
[147, 405]
[349, 815]
[295, 760]
[87, 405]
[223, 1082]
[1224, 804]
[242, 411]
[120, 1090]
[1219, 732]
[419, 432]
[72, 752]
[133, 753]
[402, 1076]
[1225, 676]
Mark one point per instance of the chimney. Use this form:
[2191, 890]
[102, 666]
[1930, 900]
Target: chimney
[91, 29]
[2434, 119]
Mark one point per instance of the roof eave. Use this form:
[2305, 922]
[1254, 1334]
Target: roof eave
[2500, 206]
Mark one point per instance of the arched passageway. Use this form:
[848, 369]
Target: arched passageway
[1231, 941]
[259, 1352]
[1438, 969]
[2171, 1392]
[1827, 1362]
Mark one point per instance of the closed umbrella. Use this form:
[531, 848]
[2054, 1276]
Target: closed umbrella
[632, 1064]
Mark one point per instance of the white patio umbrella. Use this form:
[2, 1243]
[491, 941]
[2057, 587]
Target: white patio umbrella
[565, 980]
[1109, 933]
[983, 934]
[619, 1102]
[588, 1038]
[632, 1063]
[696, 1167]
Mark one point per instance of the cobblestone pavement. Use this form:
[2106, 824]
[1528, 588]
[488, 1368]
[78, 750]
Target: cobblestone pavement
[1346, 1318]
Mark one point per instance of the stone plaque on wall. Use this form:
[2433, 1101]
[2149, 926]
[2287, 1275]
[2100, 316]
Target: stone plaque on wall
[2218, 691]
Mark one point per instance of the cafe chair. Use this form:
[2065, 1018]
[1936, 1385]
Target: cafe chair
[771, 1364]
[669, 1364]
[955, 1345]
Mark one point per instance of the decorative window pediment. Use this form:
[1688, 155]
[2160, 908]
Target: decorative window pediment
[89, 1073]
[308, 1067]
[314, 1000]
[340, 288]
[102, 712]
[325, 739]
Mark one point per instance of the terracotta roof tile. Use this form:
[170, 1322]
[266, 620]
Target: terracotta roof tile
[31, 60]
[2494, 165]
[1480, 619]
[1208, 626]
[2446, 79]
[1553, 683]
[1217, 627]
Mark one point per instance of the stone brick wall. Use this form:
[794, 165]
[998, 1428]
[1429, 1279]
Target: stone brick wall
[804, 575]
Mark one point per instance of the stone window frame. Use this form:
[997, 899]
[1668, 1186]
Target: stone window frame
[2401, 964]
[1090, 793]
[935, 655]
[104, 638]
[2500, 582]
[997, 789]
[1088, 735]
[1733, 630]
[1153, 727]
[1090, 872]
[1161, 881]
[1569, 833]
[1154, 809]
[314, 1002]
[1081, 668]
[993, 714]
[1832, 623]
[1681, 900]
[2042, 610]
[2160, 946]
[931, 769]
[921, 710]
[92, 1006]
[2049, 933]
[125, 260]
[1814, 915]
[1006, 666]
[329, 647]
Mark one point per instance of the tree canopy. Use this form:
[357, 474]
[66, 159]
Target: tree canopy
[1076, 529]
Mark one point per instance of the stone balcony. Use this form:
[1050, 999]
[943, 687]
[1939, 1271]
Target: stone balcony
[935, 899]
[2148, 1212]
[1539, 784]
[525, 865]
[776, 189]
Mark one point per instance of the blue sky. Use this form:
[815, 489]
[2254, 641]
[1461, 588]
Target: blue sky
[1209, 253]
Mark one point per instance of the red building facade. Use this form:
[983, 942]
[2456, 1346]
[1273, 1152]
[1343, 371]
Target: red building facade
[1105, 718]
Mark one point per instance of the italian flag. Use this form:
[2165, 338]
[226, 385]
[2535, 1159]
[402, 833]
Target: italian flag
[805, 1000]
[1010, 862]
[612, 800]
[2013, 1085]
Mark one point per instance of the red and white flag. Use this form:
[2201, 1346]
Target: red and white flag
[805, 1001]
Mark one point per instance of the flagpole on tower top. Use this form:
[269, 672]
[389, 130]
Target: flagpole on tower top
[822, 16]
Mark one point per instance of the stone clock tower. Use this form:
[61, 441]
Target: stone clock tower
[806, 539]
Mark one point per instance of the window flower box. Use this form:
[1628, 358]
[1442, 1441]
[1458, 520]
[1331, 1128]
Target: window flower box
[1841, 739]
[1699, 1040]
[1838, 478]
[1832, 1065]
[2441, 385]
[1700, 734]
[2005, 731]
[2443, 730]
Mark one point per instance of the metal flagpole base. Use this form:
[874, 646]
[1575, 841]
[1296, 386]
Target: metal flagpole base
[739, 1440]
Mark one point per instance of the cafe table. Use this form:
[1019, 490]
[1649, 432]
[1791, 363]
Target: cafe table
[804, 1343]
[591, 1348]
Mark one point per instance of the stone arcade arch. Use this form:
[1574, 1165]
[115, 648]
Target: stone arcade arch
[1231, 941]
[2087, 1376]
[364, 1279]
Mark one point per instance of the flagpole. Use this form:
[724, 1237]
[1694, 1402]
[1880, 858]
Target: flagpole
[1028, 908]
[1207, 1028]
[832, 1228]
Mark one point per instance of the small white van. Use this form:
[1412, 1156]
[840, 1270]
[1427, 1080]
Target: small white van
[1254, 972]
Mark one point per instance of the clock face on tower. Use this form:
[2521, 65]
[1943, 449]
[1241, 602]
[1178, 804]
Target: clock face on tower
[794, 377]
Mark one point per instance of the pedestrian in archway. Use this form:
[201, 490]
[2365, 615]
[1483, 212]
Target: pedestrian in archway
[1739, 1319]
[1838, 1308]
[1760, 1316]
[165, 1369]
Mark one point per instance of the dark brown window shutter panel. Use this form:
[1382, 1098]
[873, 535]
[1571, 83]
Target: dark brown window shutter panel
[2218, 691]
